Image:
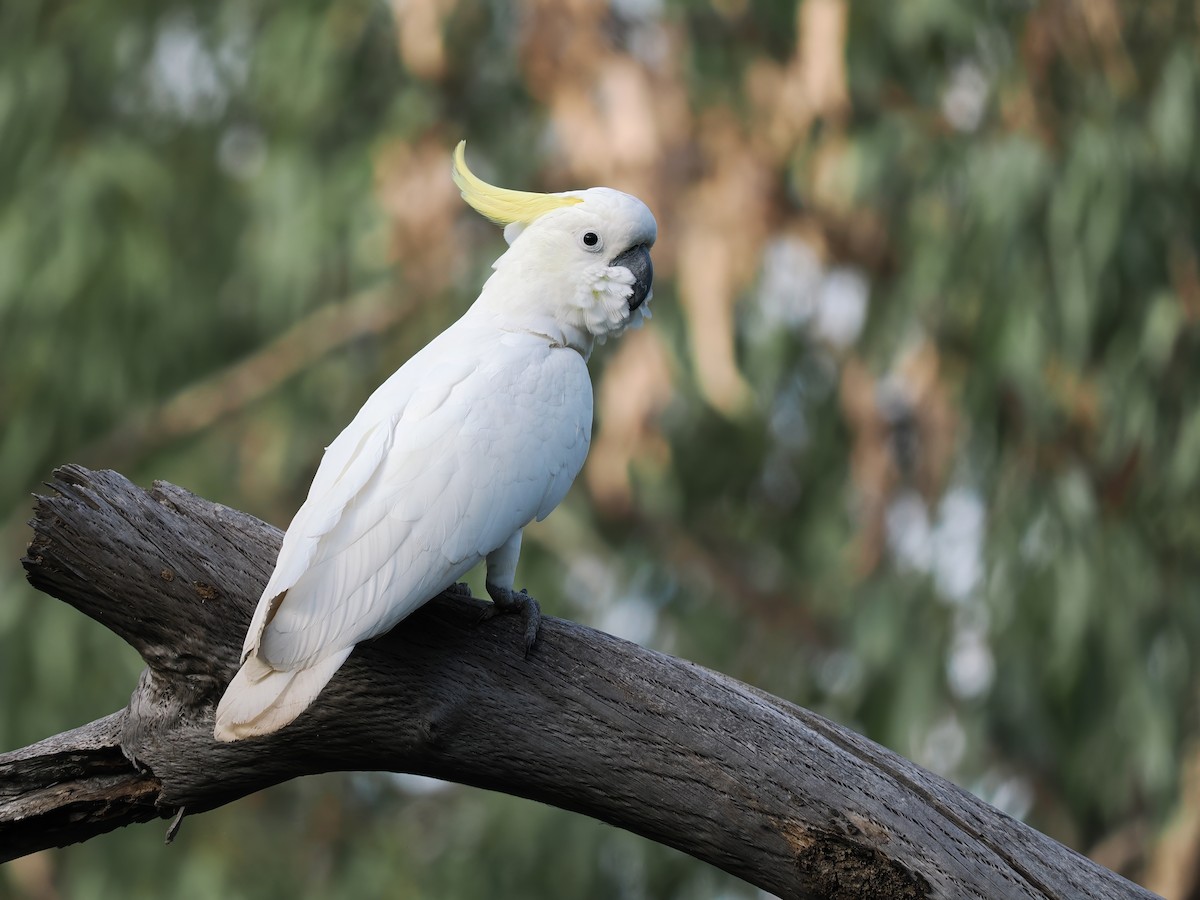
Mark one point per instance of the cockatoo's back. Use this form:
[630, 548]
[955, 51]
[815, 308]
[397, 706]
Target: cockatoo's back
[478, 434]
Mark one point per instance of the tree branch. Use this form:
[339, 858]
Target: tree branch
[750, 783]
[204, 403]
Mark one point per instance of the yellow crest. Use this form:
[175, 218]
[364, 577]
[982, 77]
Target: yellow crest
[502, 206]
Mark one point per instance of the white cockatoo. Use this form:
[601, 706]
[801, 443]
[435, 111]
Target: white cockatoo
[474, 437]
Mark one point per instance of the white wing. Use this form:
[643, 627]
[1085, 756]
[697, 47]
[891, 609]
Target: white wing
[408, 499]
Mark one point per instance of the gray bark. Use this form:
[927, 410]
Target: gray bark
[688, 757]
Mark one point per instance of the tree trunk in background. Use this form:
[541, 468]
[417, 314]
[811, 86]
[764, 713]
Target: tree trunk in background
[770, 792]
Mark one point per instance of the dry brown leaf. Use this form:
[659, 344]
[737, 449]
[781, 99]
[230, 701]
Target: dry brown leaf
[636, 387]
[919, 371]
[913, 395]
[1185, 276]
[722, 230]
[811, 85]
[873, 467]
[1076, 395]
[413, 186]
[1173, 869]
[419, 27]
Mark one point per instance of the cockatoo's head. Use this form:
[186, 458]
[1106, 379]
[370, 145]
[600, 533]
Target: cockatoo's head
[581, 258]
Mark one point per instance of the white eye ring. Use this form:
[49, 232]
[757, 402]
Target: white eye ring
[591, 242]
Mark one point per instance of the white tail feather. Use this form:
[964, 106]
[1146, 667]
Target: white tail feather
[260, 699]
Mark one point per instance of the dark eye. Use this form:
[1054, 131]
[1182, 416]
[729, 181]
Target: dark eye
[591, 242]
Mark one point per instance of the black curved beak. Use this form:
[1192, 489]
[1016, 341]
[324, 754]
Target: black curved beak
[637, 261]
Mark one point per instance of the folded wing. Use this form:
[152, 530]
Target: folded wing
[405, 505]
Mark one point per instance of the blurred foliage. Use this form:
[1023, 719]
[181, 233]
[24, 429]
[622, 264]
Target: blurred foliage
[913, 439]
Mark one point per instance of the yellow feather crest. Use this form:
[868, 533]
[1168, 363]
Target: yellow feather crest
[502, 206]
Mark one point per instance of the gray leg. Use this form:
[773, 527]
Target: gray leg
[501, 569]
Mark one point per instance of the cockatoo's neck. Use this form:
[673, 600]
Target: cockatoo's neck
[527, 307]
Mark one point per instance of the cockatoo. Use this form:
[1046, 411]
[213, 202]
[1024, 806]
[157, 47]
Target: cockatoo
[477, 435]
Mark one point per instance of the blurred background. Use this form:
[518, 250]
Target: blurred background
[913, 438]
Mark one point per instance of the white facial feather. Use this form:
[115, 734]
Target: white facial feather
[550, 277]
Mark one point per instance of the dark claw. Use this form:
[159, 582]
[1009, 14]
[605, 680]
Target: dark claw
[506, 601]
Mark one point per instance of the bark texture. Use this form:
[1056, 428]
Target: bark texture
[688, 757]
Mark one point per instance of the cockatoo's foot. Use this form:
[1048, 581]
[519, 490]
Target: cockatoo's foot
[509, 601]
[459, 589]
